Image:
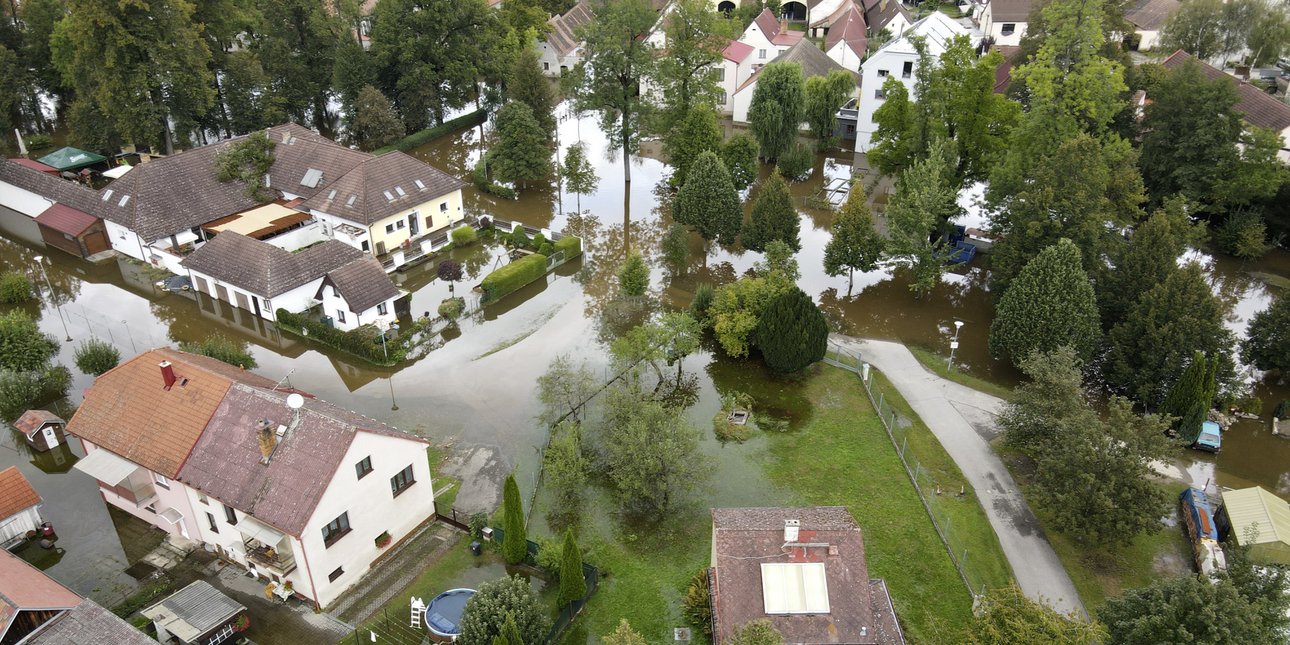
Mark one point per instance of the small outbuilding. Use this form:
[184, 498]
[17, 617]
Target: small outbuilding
[198, 614]
[1258, 520]
[74, 231]
[43, 430]
[19, 506]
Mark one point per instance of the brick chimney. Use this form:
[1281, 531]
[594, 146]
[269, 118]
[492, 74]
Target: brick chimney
[268, 440]
[167, 374]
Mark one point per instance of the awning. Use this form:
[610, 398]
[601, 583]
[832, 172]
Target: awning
[66, 219]
[106, 467]
[254, 529]
[118, 172]
[1260, 522]
[172, 516]
[259, 222]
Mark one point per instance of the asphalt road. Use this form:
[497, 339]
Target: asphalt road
[962, 419]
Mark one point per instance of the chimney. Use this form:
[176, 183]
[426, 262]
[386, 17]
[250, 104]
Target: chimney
[167, 374]
[268, 440]
[791, 528]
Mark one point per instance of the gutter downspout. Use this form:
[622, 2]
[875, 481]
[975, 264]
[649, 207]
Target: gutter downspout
[309, 570]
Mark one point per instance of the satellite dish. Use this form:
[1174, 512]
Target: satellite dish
[295, 401]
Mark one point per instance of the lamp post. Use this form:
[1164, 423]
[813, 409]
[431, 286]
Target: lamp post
[954, 344]
[40, 261]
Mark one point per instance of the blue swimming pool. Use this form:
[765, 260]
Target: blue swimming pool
[443, 614]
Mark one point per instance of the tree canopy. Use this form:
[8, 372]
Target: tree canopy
[773, 217]
[1050, 304]
[917, 216]
[791, 332]
[1007, 616]
[373, 123]
[1267, 342]
[776, 109]
[496, 602]
[822, 97]
[855, 245]
[707, 202]
[521, 154]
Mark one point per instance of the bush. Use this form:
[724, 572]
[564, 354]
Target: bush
[1243, 235]
[429, 134]
[570, 245]
[513, 276]
[222, 348]
[463, 236]
[478, 522]
[20, 391]
[702, 302]
[487, 186]
[96, 356]
[494, 602]
[520, 238]
[451, 308]
[796, 164]
[39, 142]
[697, 604]
[358, 343]
[792, 332]
[538, 240]
[549, 557]
[633, 277]
[547, 249]
[15, 288]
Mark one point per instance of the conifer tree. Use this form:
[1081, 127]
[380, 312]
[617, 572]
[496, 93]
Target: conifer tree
[521, 154]
[515, 541]
[527, 85]
[697, 133]
[573, 586]
[633, 278]
[373, 123]
[791, 332]
[708, 202]
[1049, 304]
[773, 217]
[739, 154]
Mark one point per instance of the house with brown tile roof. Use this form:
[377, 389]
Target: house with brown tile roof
[1257, 107]
[561, 50]
[289, 486]
[802, 569]
[848, 38]
[19, 507]
[1148, 17]
[36, 610]
[263, 278]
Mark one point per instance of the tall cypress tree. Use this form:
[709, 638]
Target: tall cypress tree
[1049, 304]
[515, 541]
[1191, 396]
[708, 202]
[572, 584]
[773, 217]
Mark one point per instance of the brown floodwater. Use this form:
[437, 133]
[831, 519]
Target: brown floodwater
[476, 389]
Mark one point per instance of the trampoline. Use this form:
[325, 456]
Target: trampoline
[443, 614]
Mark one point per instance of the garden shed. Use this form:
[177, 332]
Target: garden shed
[197, 615]
[43, 430]
[75, 231]
[1260, 521]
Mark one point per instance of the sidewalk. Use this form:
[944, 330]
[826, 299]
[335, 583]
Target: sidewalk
[962, 420]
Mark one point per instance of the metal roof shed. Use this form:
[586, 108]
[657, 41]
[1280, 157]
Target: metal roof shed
[1261, 522]
[194, 613]
[70, 158]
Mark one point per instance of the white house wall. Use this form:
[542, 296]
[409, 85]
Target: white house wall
[843, 55]
[1149, 39]
[871, 82]
[298, 238]
[19, 523]
[371, 507]
[332, 303]
[232, 543]
[295, 300]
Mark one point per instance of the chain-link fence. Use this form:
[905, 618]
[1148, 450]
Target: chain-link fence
[942, 494]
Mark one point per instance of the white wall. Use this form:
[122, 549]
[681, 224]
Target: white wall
[844, 56]
[994, 29]
[18, 524]
[550, 60]
[331, 303]
[294, 301]
[125, 241]
[25, 202]
[1149, 39]
[233, 543]
[299, 238]
[371, 507]
[871, 81]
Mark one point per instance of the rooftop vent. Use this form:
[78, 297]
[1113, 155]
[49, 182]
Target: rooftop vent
[791, 528]
[420, 184]
[312, 178]
[286, 136]
[268, 181]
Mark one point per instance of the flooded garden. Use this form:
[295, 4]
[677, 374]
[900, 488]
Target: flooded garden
[475, 391]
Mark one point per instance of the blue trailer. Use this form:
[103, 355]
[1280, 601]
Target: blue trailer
[1202, 533]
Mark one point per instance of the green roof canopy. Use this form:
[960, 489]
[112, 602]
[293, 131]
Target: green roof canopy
[1260, 521]
[70, 158]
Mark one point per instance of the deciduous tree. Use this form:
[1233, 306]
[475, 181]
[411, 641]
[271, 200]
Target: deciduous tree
[578, 173]
[1007, 616]
[823, 96]
[624, 635]
[919, 211]
[708, 203]
[1186, 608]
[1046, 406]
[676, 248]
[776, 109]
[696, 35]
[1267, 342]
[1196, 28]
[652, 455]
[739, 153]
[856, 245]
[696, 133]
[374, 123]
[1192, 132]
[297, 43]
[737, 307]
[527, 85]
[1050, 304]
[774, 217]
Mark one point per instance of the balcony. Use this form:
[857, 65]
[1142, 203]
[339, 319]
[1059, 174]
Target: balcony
[276, 561]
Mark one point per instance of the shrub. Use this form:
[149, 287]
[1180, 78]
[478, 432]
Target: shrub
[549, 556]
[1243, 236]
[547, 249]
[449, 271]
[513, 276]
[702, 302]
[520, 238]
[478, 521]
[485, 224]
[23, 347]
[538, 240]
[96, 356]
[633, 277]
[429, 134]
[20, 391]
[39, 142]
[697, 605]
[358, 343]
[792, 332]
[14, 288]
[487, 186]
[486, 612]
[463, 236]
[570, 245]
[222, 348]
[796, 164]
[451, 308]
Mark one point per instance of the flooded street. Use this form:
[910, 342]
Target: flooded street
[476, 390]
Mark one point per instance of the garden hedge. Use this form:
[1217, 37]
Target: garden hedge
[513, 276]
[361, 345]
[571, 245]
[422, 137]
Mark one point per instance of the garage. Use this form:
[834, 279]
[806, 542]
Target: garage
[72, 230]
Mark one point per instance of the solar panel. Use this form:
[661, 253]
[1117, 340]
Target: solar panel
[312, 178]
[794, 588]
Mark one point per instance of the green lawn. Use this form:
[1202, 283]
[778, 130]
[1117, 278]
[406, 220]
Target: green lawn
[936, 363]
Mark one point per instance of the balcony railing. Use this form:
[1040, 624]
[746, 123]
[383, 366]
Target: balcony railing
[276, 561]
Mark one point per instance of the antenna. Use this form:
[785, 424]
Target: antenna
[295, 402]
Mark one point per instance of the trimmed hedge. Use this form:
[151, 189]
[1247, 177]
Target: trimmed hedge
[513, 276]
[429, 134]
[571, 245]
[463, 236]
[359, 344]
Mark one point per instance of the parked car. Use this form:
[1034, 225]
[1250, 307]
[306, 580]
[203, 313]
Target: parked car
[1210, 439]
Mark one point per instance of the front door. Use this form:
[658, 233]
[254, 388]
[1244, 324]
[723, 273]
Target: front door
[51, 439]
[414, 226]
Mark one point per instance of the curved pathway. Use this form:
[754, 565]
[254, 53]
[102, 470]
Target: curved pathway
[958, 416]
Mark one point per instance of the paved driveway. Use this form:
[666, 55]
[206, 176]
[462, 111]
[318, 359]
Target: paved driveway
[959, 417]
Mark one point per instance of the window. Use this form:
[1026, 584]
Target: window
[879, 94]
[210, 520]
[402, 481]
[335, 531]
[230, 515]
[367, 246]
[546, 67]
[389, 228]
[331, 577]
[882, 73]
[203, 499]
[761, 53]
[443, 208]
[382, 309]
[335, 293]
[724, 99]
[363, 467]
[340, 315]
[907, 70]
[400, 224]
[1008, 28]
[268, 306]
[721, 74]
[161, 480]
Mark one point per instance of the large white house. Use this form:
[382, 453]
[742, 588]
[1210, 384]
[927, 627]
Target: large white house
[805, 54]
[898, 59]
[769, 38]
[1004, 21]
[303, 493]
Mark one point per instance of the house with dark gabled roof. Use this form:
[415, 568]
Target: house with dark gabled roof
[1003, 21]
[561, 50]
[806, 55]
[1257, 107]
[36, 610]
[261, 278]
[395, 207]
[303, 493]
[1148, 18]
[802, 569]
[848, 38]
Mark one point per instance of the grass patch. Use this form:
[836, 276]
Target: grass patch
[935, 363]
[446, 487]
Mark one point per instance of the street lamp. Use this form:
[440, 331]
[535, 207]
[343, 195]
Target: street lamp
[954, 344]
[40, 261]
